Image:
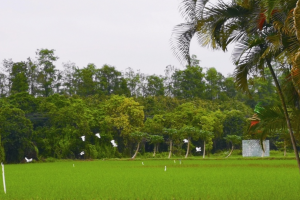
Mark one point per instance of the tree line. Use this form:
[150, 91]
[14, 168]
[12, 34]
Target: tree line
[44, 111]
[41, 77]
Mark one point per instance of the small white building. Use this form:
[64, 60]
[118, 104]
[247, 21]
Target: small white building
[253, 148]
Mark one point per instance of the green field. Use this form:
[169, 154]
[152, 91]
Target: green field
[126, 179]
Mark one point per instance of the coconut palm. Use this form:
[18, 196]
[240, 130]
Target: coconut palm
[257, 29]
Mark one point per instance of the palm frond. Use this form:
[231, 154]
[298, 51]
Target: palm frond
[187, 8]
[297, 19]
[181, 39]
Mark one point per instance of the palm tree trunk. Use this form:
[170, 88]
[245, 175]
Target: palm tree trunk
[230, 151]
[264, 149]
[170, 153]
[204, 149]
[188, 148]
[286, 114]
[137, 149]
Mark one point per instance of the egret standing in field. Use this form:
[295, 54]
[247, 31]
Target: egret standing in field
[98, 135]
[83, 138]
[28, 160]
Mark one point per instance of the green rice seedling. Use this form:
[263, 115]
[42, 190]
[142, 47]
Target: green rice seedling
[127, 179]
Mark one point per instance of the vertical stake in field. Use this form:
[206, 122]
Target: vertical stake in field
[3, 176]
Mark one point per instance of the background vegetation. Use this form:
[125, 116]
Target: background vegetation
[44, 111]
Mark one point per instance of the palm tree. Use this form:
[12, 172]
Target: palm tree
[256, 27]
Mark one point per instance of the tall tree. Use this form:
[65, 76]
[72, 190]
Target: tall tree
[19, 78]
[16, 134]
[188, 83]
[47, 72]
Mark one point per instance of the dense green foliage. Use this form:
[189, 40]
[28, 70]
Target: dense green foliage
[45, 111]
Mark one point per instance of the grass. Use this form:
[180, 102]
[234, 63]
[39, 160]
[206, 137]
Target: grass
[126, 179]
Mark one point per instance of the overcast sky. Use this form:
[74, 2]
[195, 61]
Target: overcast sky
[131, 33]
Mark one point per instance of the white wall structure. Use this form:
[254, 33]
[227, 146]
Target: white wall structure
[252, 148]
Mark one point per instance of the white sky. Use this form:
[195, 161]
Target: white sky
[131, 33]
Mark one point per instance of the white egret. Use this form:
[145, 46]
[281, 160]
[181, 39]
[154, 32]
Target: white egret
[83, 138]
[113, 143]
[28, 160]
[98, 135]
[198, 149]
[81, 153]
[185, 141]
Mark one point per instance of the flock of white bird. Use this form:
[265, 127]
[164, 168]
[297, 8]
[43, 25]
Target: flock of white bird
[198, 149]
[83, 139]
[98, 136]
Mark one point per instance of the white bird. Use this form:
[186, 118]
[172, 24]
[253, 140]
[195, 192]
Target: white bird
[83, 138]
[98, 135]
[113, 143]
[185, 141]
[81, 153]
[28, 160]
[142, 163]
[198, 149]
[165, 168]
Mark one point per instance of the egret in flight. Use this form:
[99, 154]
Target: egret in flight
[98, 135]
[28, 160]
[198, 149]
[83, 138]
[185, 141]
[113, 143]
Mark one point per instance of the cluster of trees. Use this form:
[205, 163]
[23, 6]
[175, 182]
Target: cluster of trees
[44, 111]
[43, 127]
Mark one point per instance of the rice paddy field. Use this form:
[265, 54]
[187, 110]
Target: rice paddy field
[127, 179]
